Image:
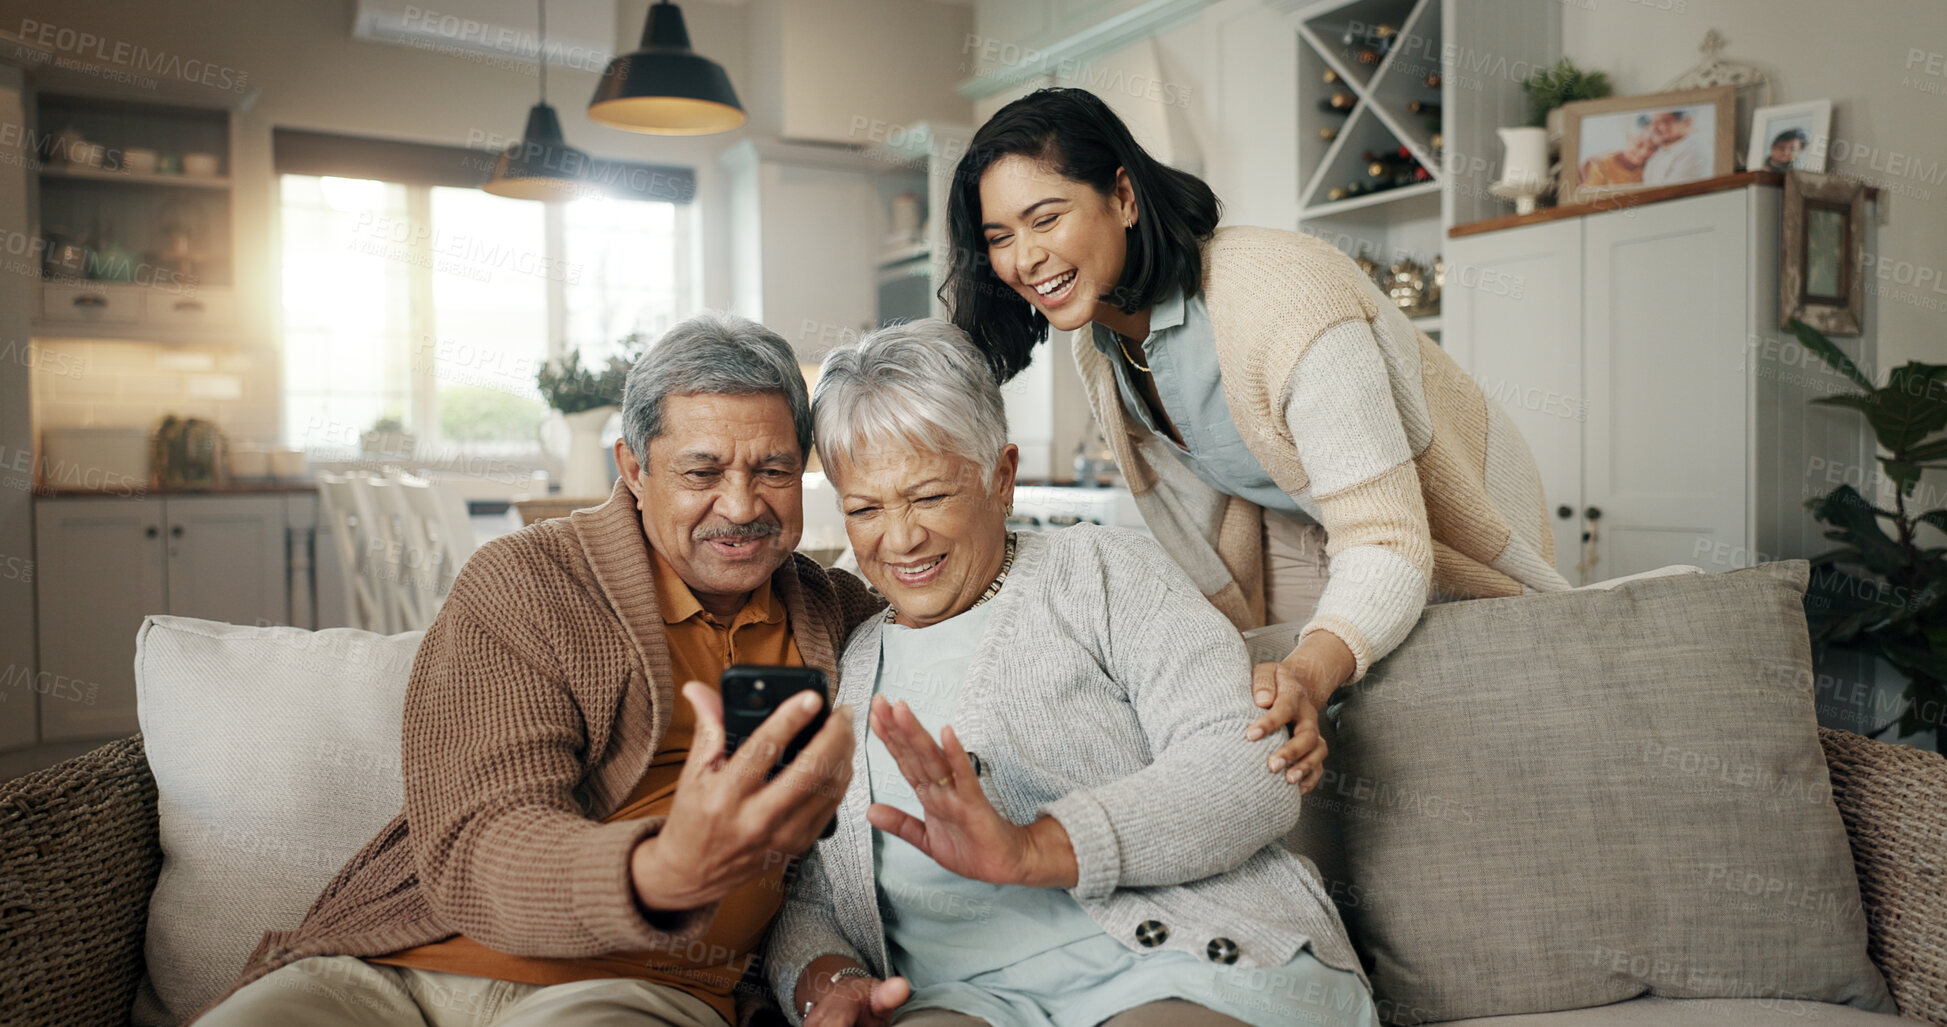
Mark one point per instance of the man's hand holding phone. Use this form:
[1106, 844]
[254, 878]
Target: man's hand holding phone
[731, 822]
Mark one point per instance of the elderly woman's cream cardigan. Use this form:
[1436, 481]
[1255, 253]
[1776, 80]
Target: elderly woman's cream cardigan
[1418, 479]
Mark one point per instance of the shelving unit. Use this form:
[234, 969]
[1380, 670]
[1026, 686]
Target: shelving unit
[920, 160]
[153, 253]
[1480, 49]
[1392, 223]
[135, 177]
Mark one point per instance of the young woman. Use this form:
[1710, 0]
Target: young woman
[1294, 443]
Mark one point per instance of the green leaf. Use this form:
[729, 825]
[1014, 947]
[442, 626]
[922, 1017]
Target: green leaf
[1912, 406]
[1815, 340]
[1901, 473]
[1928, 451]
[1856, 523]
[1839, 606]
[1911, 658]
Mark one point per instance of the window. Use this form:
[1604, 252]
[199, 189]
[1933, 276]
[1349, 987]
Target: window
[431, 308]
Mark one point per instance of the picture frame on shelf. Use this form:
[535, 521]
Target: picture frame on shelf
[1625, 144]
[1790, 136]
[1820, 279]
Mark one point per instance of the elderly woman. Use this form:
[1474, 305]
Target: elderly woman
[1086, 842]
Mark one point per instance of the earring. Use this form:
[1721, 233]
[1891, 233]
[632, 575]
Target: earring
[1010, 509]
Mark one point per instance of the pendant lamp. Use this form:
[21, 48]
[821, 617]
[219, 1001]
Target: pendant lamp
[542, 166]
[665, 88]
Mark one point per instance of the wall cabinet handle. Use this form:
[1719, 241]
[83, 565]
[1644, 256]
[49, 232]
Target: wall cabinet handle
[190, 305]
[90, 300]
[1592, 513]
[175, 531]
[1564, 511]
[152, 531]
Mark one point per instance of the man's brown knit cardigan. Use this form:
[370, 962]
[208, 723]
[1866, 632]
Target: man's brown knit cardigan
[536, 701]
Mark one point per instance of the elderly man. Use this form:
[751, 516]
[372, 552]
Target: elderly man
[574, 848]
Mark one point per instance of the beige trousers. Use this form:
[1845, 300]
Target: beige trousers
[327, 991]
[1295, 569]
[1172, 1012]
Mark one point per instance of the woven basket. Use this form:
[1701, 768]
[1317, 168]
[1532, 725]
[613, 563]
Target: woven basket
[79, 856]
[1894, 802]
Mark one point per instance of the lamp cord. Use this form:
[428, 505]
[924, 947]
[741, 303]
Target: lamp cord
[543, 55]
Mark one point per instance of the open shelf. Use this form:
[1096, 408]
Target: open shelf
[1402, 81]
[91, 174]
[1399, 197]
[1341, 32]
[1391, 224]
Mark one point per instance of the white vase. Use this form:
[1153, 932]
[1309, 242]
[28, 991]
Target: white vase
[584, 475]
[1524, 167]
[1526, 162]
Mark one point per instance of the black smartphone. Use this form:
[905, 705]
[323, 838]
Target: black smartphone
[752, 692]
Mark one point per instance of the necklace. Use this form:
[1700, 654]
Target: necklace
[1007, 564]
[1124, 347]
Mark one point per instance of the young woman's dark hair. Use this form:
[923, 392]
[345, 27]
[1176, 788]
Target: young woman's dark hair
[1075, 133]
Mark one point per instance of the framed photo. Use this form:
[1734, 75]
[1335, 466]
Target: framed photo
[1820, 280]
[1792, 135]
[1628, 144]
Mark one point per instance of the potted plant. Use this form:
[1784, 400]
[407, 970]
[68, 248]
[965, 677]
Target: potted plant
[586, 396]
[1559, 83]
[1879, 594]
[386, 439]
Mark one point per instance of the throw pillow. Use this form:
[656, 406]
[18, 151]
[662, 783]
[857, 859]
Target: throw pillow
[1570, 799]
[276, 757]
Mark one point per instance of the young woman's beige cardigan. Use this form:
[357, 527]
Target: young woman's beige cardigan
[1422, 484]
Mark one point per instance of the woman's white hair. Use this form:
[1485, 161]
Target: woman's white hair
[921, 383]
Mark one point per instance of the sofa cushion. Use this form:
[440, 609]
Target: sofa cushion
[1565, 800]
[1691, 1012]
[276, 757]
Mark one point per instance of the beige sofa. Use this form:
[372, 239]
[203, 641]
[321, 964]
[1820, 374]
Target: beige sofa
[79, 854]
[81, 848]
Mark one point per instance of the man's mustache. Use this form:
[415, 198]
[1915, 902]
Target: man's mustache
[762, 528]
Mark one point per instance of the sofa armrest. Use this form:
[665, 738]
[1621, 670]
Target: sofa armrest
[80, 853]
[1894, 801]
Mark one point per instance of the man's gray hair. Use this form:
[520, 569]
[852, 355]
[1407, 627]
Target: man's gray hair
[712, 354]
[921, 383]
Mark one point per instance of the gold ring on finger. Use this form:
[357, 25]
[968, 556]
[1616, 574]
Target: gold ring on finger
[944, 782]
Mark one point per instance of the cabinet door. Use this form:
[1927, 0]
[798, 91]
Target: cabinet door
[1512, 317]
[227, 559]
[1669, 403]
[99, 565]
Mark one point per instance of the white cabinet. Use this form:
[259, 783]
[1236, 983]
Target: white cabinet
[227, 558]
[1668, 448]
[1520, 293]
[104, 563]
[102, 567]
[160, 313]
[1638, 352]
